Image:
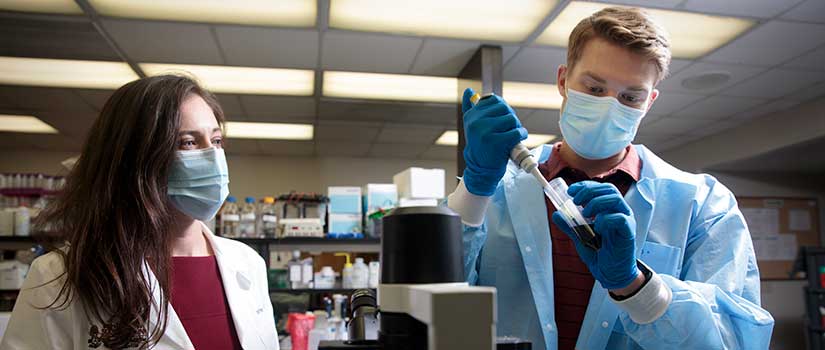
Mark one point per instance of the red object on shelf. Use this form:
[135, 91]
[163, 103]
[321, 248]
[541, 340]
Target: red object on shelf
[298, 326]
[26, 192]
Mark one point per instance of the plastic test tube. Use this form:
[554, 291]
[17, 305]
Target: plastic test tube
[556, 190]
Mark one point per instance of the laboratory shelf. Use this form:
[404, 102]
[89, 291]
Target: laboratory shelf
[315, 291]
[26, 192]
[16, 239]
[358, 245]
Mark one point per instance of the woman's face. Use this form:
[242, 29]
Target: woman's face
[198, 126]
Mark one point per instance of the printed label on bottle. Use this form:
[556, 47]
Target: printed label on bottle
[230, 217]
[295, 273]
[269, 218]
[248, 217]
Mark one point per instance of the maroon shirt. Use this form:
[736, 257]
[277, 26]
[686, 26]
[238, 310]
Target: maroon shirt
[200, 302]
[572, 281]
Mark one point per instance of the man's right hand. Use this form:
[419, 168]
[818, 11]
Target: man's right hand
[492, 129]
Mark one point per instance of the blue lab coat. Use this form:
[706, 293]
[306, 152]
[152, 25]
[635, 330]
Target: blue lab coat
[689, 230]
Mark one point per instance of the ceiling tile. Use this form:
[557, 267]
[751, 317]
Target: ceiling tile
[808, 11]
[40, 142]
[669, 144]
[368, 52]
[71, 39]
[268, 47]
[440, 153]
[737, 73]
[766, 109]
[45, 99]
[231, 105]
[775, 83]
[69, 123]
[814, 60]
[94, 98]
[376, 111]
[669, 102]
[535, 64]
[648, 138]
[676, 65]
[769, 43]
[286, 148]
[748, 8]
[718, 107]
[715, 128]
[650, 118]
[342, 149]
[241, 146]
[394, 150]
[409, 134]
[280, 108]
[347, 131]
[675, 125]
[164, 42]
[443, 57]
[507, 52]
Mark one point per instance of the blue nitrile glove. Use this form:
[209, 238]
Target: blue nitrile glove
[614, 265]
[492, 129]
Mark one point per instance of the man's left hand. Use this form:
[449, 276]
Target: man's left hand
[614, 265]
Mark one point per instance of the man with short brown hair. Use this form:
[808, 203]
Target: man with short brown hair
[675, 267]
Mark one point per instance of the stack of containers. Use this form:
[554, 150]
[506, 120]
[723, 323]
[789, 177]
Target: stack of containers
[345, 212]
[419, 187]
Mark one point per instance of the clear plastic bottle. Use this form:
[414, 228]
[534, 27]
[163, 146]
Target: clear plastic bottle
[247, 223]
[269, 218]
[230, 217]
[360, 274]
[295, 268]
[375, 273]
[346, 274]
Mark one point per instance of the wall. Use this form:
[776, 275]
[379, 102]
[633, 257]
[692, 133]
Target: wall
[260, 175]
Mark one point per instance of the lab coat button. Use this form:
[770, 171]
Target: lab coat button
[528, 249]
[604, 324]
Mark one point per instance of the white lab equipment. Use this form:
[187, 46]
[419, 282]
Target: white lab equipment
[320, 331]
[307, 273]
[295, 268]
[420, 183]
[22, 221]
[360, 274]
[344, 199]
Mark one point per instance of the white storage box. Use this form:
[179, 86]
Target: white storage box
[420, 183]
[379, 196]
[344, 200]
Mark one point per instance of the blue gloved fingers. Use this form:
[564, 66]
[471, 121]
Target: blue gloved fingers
[466, 104]
[586, 254]
[616, 230]
[508, 138]
[609, 203]
[486, 126]
[584, 191]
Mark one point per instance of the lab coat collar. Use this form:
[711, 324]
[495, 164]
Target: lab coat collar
[237, 286]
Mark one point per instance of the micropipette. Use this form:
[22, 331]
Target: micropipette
[556, 191]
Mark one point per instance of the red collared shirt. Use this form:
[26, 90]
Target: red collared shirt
[572, 281]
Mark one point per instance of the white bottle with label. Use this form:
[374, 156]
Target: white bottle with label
[295, 268]
[360, 274]
[308, 274]
[22, 222]
[346, 274]
[375, 273]
[269, 219]
[247, 224]
[230, 218]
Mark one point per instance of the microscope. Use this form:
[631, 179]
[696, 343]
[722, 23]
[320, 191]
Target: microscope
[423, 301]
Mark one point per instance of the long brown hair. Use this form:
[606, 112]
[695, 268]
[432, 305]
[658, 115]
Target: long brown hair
[114, 213]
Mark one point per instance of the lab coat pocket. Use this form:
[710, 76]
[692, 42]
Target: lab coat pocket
[662, 258]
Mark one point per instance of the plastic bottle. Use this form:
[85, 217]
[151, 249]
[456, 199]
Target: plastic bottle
[375, 273]
[247, 224]
[22, 222]
[320, 331]
[307, 273]
[346, 274]
[295, 268]
[360, 274]
[269, 218]
[230, 218]
[325, 279]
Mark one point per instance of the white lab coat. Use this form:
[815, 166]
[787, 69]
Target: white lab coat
[244, 281]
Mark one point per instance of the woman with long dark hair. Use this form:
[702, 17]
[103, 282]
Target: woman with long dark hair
[139, 269]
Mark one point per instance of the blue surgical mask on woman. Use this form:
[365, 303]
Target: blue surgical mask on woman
[199, 182]
[598, 127]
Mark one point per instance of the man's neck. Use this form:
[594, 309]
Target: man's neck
[589, 166]
[188, 238]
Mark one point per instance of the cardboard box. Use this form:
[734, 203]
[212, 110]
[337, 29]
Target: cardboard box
[345, 223]
[379, 196]
[420, 183]
[344, 200]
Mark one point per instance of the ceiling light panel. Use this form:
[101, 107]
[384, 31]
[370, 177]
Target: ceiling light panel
[269, 131]
[242, 80]
[450, 138]
[291, 13]
[475, 20]
[66, 7]
[692, 35]
[397, 87]
[64, 73]
[24, 124]
[532, 95]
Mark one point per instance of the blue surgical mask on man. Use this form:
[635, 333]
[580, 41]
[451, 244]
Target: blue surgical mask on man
[199, 182]
[598, 127]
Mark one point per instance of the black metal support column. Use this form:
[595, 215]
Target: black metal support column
[484, 74]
